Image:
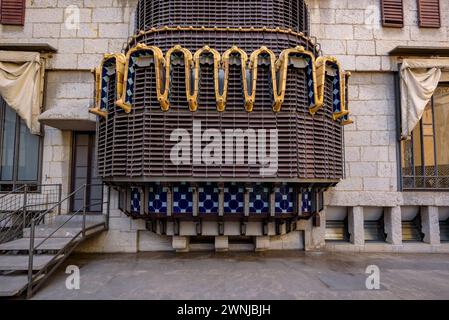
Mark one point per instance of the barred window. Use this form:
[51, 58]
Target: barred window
[425, 157]
[20, 151]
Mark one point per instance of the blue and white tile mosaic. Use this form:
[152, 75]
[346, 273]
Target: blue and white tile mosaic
[234, 198]
[336, 93]
[157, 199]
[182, 198]
[259, 199]
[208, 198]
[108, 71]
[310, 84]
[307, 195]
[284, 199]
[131, 73]
[136, 204]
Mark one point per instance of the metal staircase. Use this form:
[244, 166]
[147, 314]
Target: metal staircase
[35, 237]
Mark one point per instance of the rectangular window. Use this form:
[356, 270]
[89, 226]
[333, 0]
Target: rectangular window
[20, 151]
[425, 157]
[12, 12]
[392, 13]
[429, 13]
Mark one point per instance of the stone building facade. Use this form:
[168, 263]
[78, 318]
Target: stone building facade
[371, 193]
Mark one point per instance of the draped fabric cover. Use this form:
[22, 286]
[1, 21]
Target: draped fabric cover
[419, 79]
[21, 85]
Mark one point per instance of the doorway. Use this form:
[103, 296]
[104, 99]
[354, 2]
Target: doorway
[84, 172]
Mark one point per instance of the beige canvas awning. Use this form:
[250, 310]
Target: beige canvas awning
[419, 79]
[21, 84]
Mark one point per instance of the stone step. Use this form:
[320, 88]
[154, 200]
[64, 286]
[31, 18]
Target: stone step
[11, 286]
[20, 262]
[50, 230]
[24, 244]
[97, 218]
[69, 230]
[14, 285]
[245, 247]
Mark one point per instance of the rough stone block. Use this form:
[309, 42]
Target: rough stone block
[262, 243]
[221, 244]
[232, 228]
[361, 47]
[363, 169]
[138, 224]
[149, 241]
[430, 225]
[112, 241]
[210, 228]
[375, 154]
[186, 228]
[367, 63]
[254, 229]
[292, 241]
[377, 184]
[180, 244]
[393, 227]
[122, 224]
[355, 225]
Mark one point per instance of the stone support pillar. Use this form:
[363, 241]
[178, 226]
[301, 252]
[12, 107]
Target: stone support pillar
[356, 229]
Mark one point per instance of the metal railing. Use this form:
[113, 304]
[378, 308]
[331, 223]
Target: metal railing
[35, 280]
[425, 182]
[19, 206]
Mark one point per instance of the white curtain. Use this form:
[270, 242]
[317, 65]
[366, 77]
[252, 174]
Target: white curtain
[21, 75]
[419, 79]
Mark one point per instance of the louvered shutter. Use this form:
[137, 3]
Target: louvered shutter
[392, 13]
[429, 13]
[12, 12]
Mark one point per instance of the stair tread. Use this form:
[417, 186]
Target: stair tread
[12, 285]
[68, 225]
[67, 231]
[79, 218]
[46, 231]
[24, 244]
[20, 262]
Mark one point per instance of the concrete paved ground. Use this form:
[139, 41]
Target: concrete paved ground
[274, 275]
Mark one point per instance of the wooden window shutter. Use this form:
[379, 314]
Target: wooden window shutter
[429, 13]
[12, 12]
[392, 13]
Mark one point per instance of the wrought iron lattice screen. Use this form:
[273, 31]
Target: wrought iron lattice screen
[138, 144]
[286, 14]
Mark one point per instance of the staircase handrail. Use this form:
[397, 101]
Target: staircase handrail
[74, 238]
[17, 190]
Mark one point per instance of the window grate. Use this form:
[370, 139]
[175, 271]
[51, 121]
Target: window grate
[425, 157]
